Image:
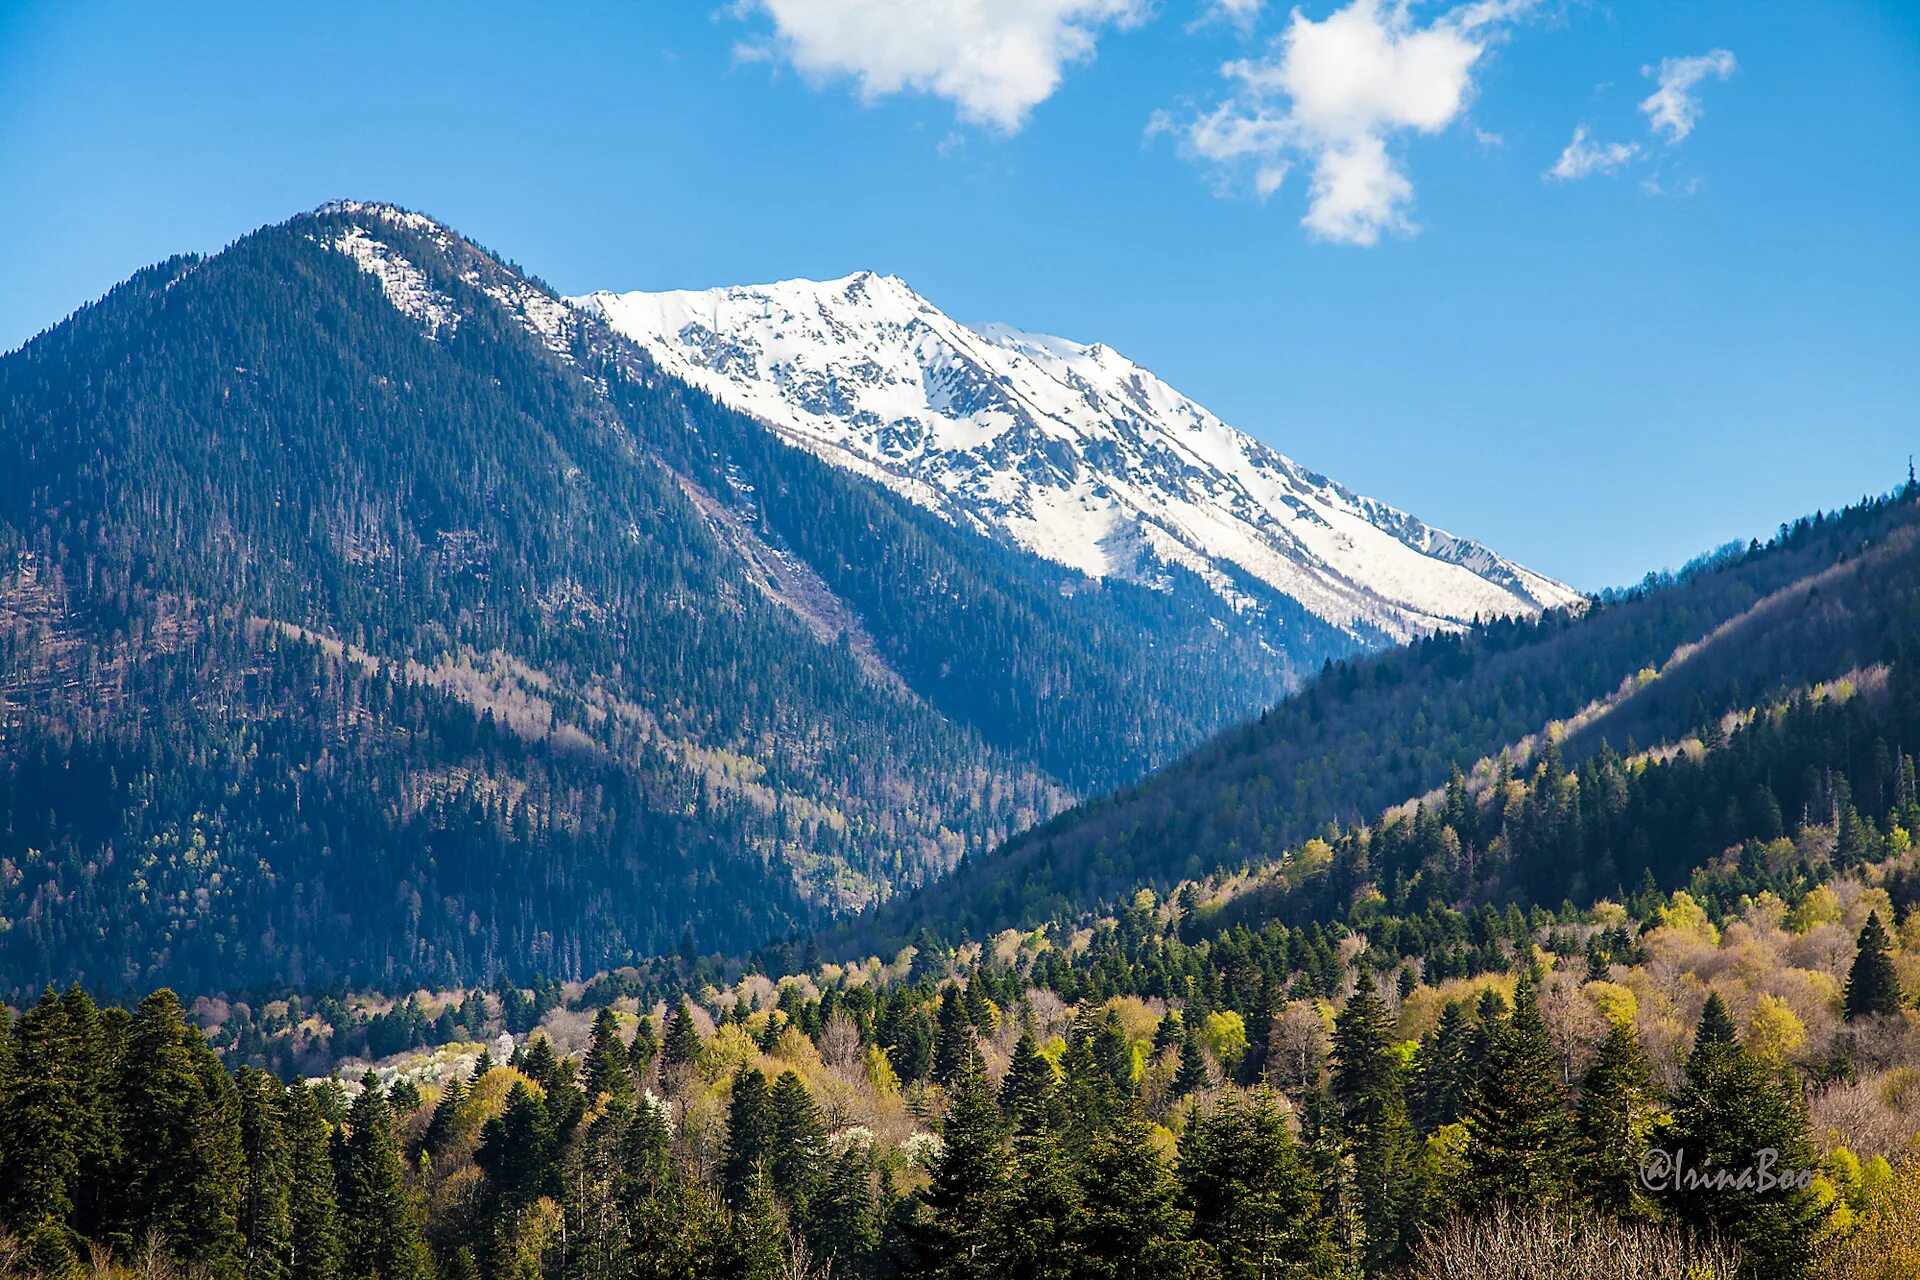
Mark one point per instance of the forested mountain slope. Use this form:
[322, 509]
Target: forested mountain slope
[1827, 595]
[365, 611]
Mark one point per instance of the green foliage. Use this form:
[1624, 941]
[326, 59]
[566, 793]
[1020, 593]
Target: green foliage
[1873, 984]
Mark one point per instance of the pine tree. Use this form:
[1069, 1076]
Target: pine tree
[1519, 1139]
[1873, 985]
[1042, 1234]
[377, 1213]
[958, 1229]
[515, 1153]
[750, 1134]
[608, 1073]
[1616, 1113]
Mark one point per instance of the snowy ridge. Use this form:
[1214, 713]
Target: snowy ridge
[404, 283]
[1072, 451]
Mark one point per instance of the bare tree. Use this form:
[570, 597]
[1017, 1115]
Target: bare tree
[1510, 1243]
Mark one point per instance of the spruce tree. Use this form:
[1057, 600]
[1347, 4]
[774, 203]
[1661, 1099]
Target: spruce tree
[1519, 1143]
[799, 1149]
[266, 1226]
[958, 1228]
[1373, 1121]
[608, 1072]
[1731, 1108]
[1873, 985]
[1253, 1196]
[1615, 1116]
[1193, 1074]
[1131, 1225]
[953, 1037]
[643, 1049]
[180, 1124]
[682, 1046]
[313, 1225]
[1028, 1093]
[377, 1213]
[39, 1139]
[750, 1132]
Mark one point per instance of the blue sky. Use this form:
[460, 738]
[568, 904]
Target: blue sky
[1714, 328]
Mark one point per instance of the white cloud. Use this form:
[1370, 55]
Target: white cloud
[1334, 93]
[1674, 107]
[1241, 13]
[1584, 157]
[995, 60]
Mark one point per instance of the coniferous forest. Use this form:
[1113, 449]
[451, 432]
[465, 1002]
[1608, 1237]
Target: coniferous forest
[473, 808]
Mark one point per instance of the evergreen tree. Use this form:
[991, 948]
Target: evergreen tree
[39, 1139]
[1193, 1074]
[1252, 1196]
[797, 1159]
[643, 1049]
[1028, 1093]
[958, 1230]
[1373, 1121]
[1730, 1109]
[184, 1167]
[1873, 985]
[313, 1226]
[1443, 1075]
[609, 1074]
[750, 1136]
[682, 1045]
[1131, 1225]
[1519, 1138]
[266, 1225]
[953, 1037]
[1615, 1116]
[377, 1213]
[844, 1225]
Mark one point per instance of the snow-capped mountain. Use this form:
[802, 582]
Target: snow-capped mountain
[1073, 452]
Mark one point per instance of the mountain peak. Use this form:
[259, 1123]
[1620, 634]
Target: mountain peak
[1069, 450]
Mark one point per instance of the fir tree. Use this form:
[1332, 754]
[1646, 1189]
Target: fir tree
[682, 1045]
[181, 1127]
[957, 1231]
[798, 1153]
[313, 1227]
[1519, 1139]
[1253, 1197]
[1028, 1093]
[1731, 1108]
[609, 1074]
[953, 1037]
[1373, 1121]
[1130, 1225]
[1616, 1113]
[1873, 985]
[266, 1226]
[750, 1136]
[377, 1213]
[1193, 1074]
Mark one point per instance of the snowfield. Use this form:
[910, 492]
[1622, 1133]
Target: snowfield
[1073, 452]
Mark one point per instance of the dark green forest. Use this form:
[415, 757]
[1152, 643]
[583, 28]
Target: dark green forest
[432, 655]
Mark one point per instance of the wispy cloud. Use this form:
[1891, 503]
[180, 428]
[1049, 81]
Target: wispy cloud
[1334, 94]
[1583, 157]
[995, 60]
[1674, 107]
